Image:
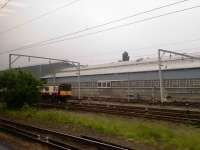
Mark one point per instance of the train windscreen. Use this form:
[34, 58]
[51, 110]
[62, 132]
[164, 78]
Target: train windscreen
[65, 87]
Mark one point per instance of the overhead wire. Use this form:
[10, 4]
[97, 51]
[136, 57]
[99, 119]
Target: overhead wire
[127, 24]
[4, 5]
[167, 44]
[102, 25]
[39, 17]
[108, 29]
[177, 50]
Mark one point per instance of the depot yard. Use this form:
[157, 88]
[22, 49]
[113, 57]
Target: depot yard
[161, 135]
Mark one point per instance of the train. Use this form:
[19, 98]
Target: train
[56, 92]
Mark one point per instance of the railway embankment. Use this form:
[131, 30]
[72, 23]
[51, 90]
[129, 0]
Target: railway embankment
[134, 132]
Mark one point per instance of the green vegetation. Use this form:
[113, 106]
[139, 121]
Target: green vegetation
[19, 88]
[160, 134]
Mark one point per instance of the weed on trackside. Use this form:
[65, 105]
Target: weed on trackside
[161, 134]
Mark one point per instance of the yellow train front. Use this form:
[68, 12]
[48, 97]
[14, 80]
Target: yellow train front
[65, 90]
[56, 93]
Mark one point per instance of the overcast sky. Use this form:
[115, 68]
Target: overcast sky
[180, 31]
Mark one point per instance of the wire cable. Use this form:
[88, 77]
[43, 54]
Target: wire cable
[108, 29]
[39, 17]
[167, 44]
[178, 50]
[127, 24]
[4, 5]
[104, 24]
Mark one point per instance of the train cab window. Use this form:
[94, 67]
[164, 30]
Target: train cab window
[46, 88]
[65, 87]
[55, 89]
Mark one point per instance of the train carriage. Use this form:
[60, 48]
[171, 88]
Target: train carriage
[56, 93]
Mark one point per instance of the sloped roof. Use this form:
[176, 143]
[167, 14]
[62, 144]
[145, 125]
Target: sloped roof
[130, 66]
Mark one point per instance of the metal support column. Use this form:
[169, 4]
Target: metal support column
[79, 85]
[53, 76]
[162, 98]
[162, 90]
[40, 70]
[128, 87]
[10, 61]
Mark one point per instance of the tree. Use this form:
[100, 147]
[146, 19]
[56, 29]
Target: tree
[19, 88]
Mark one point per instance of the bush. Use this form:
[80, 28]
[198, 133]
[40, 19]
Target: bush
[19, 88]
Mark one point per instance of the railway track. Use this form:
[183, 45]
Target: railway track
[57, 140]
[179, 103]
[179, 116]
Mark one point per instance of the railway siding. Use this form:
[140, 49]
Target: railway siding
[151, 112]
[160, 134]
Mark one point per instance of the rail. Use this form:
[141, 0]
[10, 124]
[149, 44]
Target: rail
[173, 115]
[46, 136]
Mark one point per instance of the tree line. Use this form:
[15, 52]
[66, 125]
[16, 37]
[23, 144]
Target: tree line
[18, 87]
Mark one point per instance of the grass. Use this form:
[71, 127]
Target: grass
[161, 134]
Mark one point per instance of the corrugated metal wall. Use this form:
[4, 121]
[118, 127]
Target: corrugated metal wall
[152, 75]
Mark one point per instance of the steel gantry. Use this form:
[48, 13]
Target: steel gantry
[162, 89]
[77, 65]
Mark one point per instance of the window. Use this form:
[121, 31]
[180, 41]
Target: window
[108, 84]
[104, 84]
[55, 88]
[99, 84]
[65, 87]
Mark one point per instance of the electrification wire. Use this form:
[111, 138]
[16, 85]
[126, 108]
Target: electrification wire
[177, 50]
[104, 24]
[164, 44]
[127, 24]
[4, 5]
[39, 17]
[108, 29]
[167, 44]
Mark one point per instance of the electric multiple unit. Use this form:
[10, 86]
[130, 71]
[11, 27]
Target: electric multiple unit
[57, 91]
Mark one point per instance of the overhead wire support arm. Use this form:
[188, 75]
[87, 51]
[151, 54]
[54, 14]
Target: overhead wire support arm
[15, 59]
[176, 53]
[161, 81]
[76, 65]
[48, 58]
